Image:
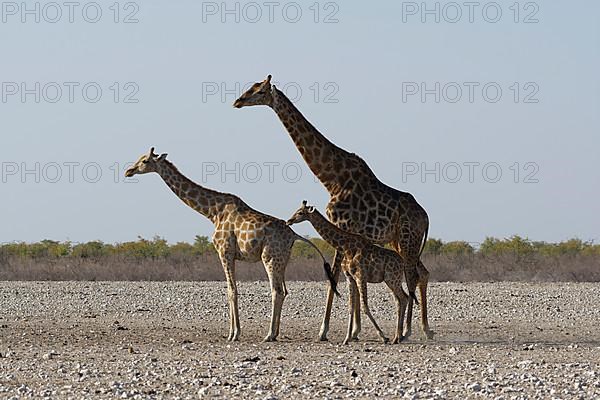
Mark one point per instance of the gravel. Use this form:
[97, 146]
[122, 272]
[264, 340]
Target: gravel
[156, 340]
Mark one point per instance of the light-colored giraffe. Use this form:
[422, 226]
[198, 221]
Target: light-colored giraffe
[362, 262]
[241, 233]
[358, 201]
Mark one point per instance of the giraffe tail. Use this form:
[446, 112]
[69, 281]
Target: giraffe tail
[326, 265]
[414, 297]
[330, 277]
[411, 283]
[412, 292]
[424, 239]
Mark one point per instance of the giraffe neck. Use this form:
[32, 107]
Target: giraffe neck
[333, 235]
[322, 156]
[205, 201]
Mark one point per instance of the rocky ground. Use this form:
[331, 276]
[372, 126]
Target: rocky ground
[157, 340]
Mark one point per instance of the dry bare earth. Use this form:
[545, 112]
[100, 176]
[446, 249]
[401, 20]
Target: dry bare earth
[141, 340]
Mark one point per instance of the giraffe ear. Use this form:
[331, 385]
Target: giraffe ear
[162, 157]
[311, 209]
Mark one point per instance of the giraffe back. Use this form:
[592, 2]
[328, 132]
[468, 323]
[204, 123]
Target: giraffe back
[249, 232]
[376, 211]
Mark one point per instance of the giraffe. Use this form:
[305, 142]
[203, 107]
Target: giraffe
[241, 233]
[358, 201]
[363, 262]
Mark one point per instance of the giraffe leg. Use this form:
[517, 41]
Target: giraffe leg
[336, 268]
[277, 297]
[412, 278]
[409, 252]
[352, 296]
[357, 326]
[231, 321]
[278, 291]
[422, 285]
[362, 288]
[401, 303]
[409, 312]
[285, 293]
[232, 297]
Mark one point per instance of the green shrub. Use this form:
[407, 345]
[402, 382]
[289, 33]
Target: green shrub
[143, 248]
[158, 248]
[15, 249]
[304, 250]
[433, 246]
[93, 249]
[515, 245]
[457, 248]
[202, 245]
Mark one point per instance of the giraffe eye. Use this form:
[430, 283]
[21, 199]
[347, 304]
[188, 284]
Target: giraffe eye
[145, 161]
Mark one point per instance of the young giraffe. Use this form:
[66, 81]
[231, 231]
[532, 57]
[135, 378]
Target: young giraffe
[358, 201]
[241, 233]
[363, 262]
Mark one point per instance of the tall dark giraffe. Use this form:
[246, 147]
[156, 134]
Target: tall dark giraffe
[358, 201]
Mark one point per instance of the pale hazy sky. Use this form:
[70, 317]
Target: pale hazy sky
[356, 70]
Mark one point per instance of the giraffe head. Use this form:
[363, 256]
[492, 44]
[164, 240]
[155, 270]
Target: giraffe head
[259, 94]
[146, 163]
[302, 214]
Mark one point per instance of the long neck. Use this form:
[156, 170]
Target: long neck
[333, 235]
[322, 156]
[205, 201]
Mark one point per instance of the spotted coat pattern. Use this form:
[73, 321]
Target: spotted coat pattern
[358, 201]
[362, 262]
[241, 233]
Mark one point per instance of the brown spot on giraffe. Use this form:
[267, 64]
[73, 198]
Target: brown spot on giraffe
[398, 219]
[241, 233]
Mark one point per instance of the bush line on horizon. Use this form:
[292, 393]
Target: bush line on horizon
[158, 247]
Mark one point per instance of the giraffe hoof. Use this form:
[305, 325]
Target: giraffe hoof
[322, 338]
[269, 339]
[398, 339]
[385, 340]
